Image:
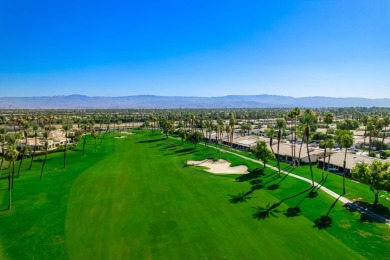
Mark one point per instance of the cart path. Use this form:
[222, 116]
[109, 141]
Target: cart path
[339, 197]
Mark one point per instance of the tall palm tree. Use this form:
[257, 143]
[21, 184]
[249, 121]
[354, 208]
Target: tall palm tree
[85, 126]
[11, 145]
[3, 132]
[94, 135]
[66, 126]
[328, 119]
[280, 125]
[11, 155]
[309, 122]
[25, 128]
[345, 140]
[385, 123]
[46, 135]
[329, 144]
[270, 132]
[35, 128]
[364, 119]
[372, 125]
[232, 123]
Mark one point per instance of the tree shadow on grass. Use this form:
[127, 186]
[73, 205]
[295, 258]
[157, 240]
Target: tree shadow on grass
[312, 194]
[325, 221]
[273, 186]
[240, 197]
[257, 187]
[151, 141]
[271, 210]
[292, 212]
[185, 150]
[256, 173]
[267, 211]
[364, 208]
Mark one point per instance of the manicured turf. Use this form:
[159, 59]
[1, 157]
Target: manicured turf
[135, 199]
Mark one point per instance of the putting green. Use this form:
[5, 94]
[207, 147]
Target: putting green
[142, 203]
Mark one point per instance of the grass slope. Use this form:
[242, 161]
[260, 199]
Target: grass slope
[135, 199]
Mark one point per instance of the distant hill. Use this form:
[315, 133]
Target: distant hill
[150, 101]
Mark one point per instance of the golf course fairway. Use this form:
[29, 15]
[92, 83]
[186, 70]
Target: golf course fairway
[135, 198]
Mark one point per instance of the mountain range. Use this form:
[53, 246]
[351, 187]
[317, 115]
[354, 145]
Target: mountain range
[151, 101]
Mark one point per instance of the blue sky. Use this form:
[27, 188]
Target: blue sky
[195, 48]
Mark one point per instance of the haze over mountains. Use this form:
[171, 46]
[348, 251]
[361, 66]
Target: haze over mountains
[151, 101]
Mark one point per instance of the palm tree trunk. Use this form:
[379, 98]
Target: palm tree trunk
[376, 193]
[1, 165]
[311, 169]
[344, 170]
[383, 139]
[66, 143]
[101, 140]
[32, 157]
[10, 188]
[327, 167]
[299, 155]
[278, 158]
[43, 165]
[24, 153]
[13, 174]
[364, 140]
[323, 165]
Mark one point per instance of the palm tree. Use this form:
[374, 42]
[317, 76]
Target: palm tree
[46, 135]
[66, 126]
[3, 132]
[25, 128]
[35, 128]
[385, 123]
[299, 132]
[364, 120]
[232, 123]
[11, 155]
[280, 125]
[328, 119]
[309, 122]
[329, 144]
[94, 135]
[345, 140]
[11, 143]
[270, 132]
[372, 125]
[85, 126]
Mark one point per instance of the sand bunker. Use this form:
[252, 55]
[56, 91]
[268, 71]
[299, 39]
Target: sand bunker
[220, 166]
[127, 133]
[119, 137]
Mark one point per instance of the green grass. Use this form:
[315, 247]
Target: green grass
[136, 199]
[354, 191]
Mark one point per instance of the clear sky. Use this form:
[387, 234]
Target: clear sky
[338, 48]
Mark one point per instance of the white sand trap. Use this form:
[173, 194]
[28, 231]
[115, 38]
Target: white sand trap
[127, 133]
[220, 166]
[119, 137]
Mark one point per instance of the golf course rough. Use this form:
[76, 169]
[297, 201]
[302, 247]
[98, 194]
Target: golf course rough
[135, 198]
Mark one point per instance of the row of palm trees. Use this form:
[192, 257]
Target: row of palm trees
[304, 123]
[11, 153]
